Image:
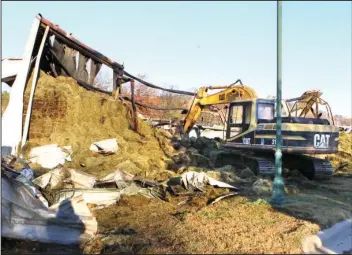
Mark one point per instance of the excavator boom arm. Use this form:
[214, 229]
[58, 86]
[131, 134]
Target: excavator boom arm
[202, 99]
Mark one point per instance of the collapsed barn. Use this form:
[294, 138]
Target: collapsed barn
[54, 120]
[58, 53]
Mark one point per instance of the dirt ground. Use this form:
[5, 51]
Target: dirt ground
[242, 224]
[246, 223]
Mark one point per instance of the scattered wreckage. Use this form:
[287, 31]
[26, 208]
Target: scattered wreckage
[65, 217]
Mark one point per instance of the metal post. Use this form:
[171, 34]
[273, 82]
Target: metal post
[278, 196]
[134, 109]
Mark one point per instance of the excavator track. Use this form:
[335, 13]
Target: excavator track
[313, 168]
[264, 163]
[266, 167]
[322, 168]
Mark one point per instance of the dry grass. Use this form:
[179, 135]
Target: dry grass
[342, 161]
[5, 97]
[345, 143]
[231, 226]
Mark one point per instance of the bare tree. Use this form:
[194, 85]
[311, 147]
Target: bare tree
[103, 81]
[148, 96]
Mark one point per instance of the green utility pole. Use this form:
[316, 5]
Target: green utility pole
[278, 196]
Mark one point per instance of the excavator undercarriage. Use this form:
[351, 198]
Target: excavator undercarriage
[263, 163]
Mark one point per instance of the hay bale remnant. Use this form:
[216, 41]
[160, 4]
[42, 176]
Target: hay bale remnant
[66, 113]
[262, 187]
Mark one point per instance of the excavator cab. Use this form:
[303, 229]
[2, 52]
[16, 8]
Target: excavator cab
[305, 129]
[239, 118]
[249, 113]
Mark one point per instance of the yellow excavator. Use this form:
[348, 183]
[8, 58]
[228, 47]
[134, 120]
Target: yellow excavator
[307, 129]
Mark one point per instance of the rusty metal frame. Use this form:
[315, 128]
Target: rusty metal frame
[71, 41]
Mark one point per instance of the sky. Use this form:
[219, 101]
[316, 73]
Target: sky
[193, 44]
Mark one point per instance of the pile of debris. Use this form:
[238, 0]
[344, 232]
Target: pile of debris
[26, 214]
[57, 206]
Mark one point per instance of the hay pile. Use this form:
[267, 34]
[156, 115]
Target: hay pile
[342, 161]
[5, 97]
[67, 114]
[345, 143]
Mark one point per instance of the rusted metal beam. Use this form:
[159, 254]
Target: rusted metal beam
[72, 42]
[153, 107]
[68, 39]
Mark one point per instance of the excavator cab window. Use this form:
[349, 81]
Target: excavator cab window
[266, 111]
[239, 118]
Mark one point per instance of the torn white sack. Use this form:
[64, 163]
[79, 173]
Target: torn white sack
[119, 177]
[48, 156]
[194, 180]
[108, 146]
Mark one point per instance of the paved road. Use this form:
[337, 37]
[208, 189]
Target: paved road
[334, 240]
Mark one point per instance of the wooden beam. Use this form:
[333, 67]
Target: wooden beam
[134, 107]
